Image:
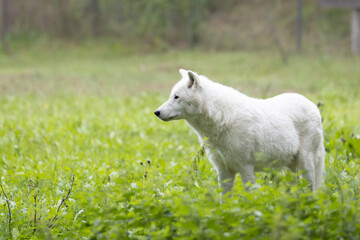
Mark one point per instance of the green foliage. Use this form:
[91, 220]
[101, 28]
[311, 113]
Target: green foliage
[136, 177]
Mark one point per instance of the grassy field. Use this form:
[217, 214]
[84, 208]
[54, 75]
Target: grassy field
[83, 157]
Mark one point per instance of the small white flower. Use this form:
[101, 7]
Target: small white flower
[12, 204]
[59, 192]
[57, 204]
[168, 183]
[114, 174]
[112, 134]
[15, 233]
[258, 213]
[108, 185]
[89, 185]
[24, 210]
[76, 216]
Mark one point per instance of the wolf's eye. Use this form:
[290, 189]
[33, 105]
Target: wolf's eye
[176, 97]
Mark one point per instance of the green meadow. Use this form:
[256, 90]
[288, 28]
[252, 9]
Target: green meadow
[82, 155]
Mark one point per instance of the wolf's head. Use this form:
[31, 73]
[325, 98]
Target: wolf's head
[185, 98]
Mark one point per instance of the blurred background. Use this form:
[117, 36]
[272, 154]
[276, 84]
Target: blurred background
[124, 46]
[286, 26]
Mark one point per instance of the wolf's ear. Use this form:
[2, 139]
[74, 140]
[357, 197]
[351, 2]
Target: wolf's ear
[183, 72]
[193, 79]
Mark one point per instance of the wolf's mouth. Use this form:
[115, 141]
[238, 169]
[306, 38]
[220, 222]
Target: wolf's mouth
[170, 118]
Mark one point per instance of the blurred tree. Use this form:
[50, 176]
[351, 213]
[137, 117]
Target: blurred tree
[192, 23]
[299, 25]
[64, 17]
[355, 31]
[4, 26]
[223, 25]
[95, 17]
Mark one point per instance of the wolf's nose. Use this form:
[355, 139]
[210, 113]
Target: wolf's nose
[157, 112]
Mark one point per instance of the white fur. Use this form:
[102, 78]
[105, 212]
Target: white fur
[244, 134]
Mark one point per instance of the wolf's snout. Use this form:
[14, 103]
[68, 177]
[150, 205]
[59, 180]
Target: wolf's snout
[157, 113]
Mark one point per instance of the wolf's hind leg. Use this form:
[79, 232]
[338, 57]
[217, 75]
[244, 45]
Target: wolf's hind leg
[247, 174]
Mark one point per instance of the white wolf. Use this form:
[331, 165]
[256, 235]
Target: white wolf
[244, 134]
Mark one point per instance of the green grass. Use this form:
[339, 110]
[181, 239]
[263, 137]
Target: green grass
[87, 112]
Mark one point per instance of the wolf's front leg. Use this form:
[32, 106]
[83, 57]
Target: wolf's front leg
[226, 181]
